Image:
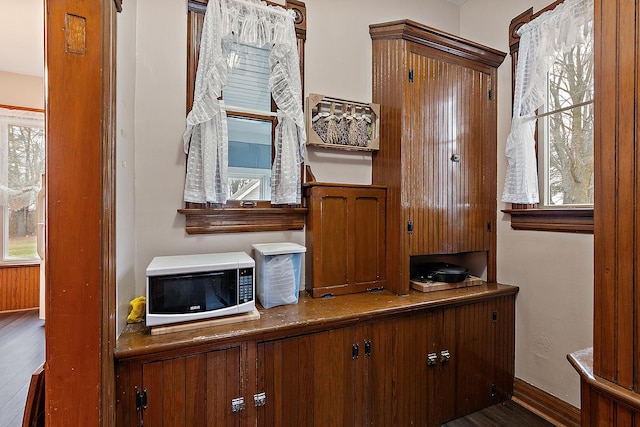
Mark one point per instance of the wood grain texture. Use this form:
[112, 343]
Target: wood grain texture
[345, 237]
[506, 414]
[288, 355]
[610, 371]
[437, 102]
[19, 287]
[545, 404]
[615, 325]
[81, 219]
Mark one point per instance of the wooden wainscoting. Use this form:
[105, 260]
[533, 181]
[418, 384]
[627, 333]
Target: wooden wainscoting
[19, 287]
[544, 404]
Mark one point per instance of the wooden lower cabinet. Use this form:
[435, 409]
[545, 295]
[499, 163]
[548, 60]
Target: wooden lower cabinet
[193, 390]
[410, 366]
[458, 360]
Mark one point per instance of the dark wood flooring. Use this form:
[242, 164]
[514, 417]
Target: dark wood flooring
[21, 352]
[507, 414]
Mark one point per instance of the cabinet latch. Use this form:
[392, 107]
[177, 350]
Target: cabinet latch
[432, 359]
[141, 399]
[410, 76]
[260, 399]
[367, 348]
[445, 356]
[354, 351]
[410, 227]
[237, 404]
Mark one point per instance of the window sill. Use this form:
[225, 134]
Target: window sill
[578, 220]
[238, 220]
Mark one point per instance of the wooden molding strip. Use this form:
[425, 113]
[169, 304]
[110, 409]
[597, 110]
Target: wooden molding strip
[545, 405]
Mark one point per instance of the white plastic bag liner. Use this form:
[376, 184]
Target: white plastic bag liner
[278, 273]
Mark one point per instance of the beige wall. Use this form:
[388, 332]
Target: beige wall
[21, 90]
[554, 314]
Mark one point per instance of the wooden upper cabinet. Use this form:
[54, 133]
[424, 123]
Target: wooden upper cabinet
[345, 237]
[437, 157]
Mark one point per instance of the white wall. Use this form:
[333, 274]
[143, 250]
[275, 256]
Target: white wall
[554, 313]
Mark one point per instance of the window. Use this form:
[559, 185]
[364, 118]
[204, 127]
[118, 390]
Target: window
[251, 129]
[22, 154]
[564, 140]
[251, 124]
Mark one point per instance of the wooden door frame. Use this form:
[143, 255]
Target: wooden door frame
[80, 250]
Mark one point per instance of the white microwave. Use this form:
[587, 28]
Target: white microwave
[185, 288]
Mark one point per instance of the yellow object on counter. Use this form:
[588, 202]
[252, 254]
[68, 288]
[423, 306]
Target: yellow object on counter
[136, 310]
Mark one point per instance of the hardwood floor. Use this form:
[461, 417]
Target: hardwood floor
[507, 414]
[21, 352]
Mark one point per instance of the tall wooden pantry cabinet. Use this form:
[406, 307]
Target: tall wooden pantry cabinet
[437, 157]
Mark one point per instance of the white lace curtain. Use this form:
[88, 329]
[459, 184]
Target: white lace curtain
[554, 31]
[206, 138]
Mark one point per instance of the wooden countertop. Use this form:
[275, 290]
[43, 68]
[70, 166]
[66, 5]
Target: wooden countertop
[309, 315]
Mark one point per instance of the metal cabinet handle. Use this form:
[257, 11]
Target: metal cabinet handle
[237, 404]
[445, 356]
[432, 359]
[260, 399]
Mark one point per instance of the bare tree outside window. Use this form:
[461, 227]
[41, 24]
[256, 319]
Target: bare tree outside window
[25, 165]
[568, 128]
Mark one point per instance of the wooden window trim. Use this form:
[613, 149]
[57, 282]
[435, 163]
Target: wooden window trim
[207, 218]
[531, 217]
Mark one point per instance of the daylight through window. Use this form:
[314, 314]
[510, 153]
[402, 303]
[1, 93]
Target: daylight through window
[566, 156]
[22, 162]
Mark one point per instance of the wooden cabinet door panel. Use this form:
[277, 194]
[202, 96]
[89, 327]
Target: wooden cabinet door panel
[447, 195]
[480, 339]
[368, 225]
[193, 390]
[374, 374]
[284, 375]
[415, 397]
[470, 336]
[308, 380]
[346, 238]
[332, 247]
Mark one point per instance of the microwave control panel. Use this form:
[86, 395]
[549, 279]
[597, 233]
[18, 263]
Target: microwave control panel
[245, 285]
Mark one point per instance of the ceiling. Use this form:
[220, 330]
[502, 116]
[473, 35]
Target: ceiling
[22, 36]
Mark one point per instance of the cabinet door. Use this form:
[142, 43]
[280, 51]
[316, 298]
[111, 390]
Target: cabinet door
[417, 398]
[375, 374]
[194, 390]
[321, 379]
[480, 339]
[346, 239]
[448, 197]
[308, 380]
